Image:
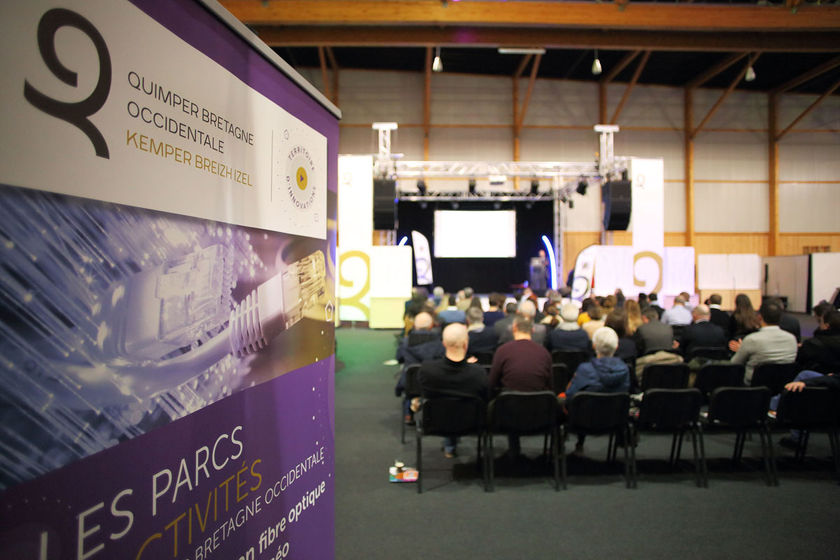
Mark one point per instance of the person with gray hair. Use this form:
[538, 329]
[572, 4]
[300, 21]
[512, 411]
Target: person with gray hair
[603, 374]
[678, 315]
[482, 337]
[528, 310]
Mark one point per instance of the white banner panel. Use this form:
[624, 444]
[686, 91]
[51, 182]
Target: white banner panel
[825, 276]
[354, 284]
[678, 272]
[390, 271]
[355, 201]
[613, 269]
[648, 194]
[787, 276]
[729, 272]
[152, 123]
[422, 258]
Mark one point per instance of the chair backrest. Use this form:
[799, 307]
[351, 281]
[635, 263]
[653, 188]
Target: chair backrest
[773, 376]
[665, 376]
[571, 358]
[812, 408]
[598, 412]
[452, 415]
[560, 377]
[518, 412]
[710, 352]
[739, 407]
[416, 338]
[669, 409]
[412, 383]
[712, 376]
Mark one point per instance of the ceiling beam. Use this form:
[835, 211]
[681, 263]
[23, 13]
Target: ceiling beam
[725, 94]
[622, 64]
[809, 75]
[523, 64]
[531, 81]
[810, 108]
[550, 38]
[590, 15]
[639, 68]
[715, 70]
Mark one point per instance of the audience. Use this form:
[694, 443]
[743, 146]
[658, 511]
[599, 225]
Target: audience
[653, 302]
[568, 336]
[744, 319]
[678, 315]
[617, 321]
[495, 310]
[634, 316]
[768, 345]
[451, 314]
[595, 322]
[822, 352]
[452, 374]
[603, 374]
[482, 338]
[520, 365]
[718, 316]
[528, 310]
[654, 342]
[465, 297]
[702, 333]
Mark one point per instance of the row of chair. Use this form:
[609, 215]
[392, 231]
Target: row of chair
[740, 410]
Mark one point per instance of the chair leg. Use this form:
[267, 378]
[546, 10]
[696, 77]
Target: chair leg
[771, 456]
[555, 460]
[802, 446]
[561, 436]
[611, 449]
[698, 472]
[489, 456]
[419, 438]
[679, 447]
[671, 458]
[703, 469]
[739, 435]
[835, 446]
[629, 458]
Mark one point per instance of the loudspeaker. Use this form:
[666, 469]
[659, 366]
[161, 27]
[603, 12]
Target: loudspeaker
[384, 205]
[617, 198]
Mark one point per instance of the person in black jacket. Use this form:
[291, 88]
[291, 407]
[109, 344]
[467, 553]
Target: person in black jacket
[822, 352]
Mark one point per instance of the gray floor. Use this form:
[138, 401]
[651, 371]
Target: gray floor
[738, 516]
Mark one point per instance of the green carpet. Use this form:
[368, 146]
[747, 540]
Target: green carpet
[597, 517]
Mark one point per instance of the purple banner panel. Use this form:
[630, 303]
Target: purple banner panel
[248, 477]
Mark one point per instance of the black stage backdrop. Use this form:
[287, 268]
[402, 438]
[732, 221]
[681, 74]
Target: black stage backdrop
[533, 220]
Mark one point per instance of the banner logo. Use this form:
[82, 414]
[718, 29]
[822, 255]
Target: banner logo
[300, 170]
[74, 113]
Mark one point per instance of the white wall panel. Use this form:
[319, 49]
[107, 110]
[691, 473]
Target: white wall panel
[741, 110]
[810, 156]
[827, 114]
[646, 106]
[482, 144]
[556, 102]
[809, 207]
[730, 156]
[464, 99]
[368, 96]
[547, 144]
[731, 207]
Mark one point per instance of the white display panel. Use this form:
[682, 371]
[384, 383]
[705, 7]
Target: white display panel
[475, 234]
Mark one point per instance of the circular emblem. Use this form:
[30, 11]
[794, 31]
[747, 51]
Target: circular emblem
[300, 173]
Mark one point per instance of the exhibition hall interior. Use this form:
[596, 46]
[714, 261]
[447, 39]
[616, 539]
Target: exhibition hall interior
[444, 278]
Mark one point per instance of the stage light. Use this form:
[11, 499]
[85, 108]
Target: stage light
[421, 187]
[535, 186]
[454, 205]
[403, 241]
[437, 64]
[582, 186]
[571, 204]
[472, 185]
[596, 64]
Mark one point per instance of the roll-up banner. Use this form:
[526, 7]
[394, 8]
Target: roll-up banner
[167, 281]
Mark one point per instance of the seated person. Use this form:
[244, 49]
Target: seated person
[568, 335]
[482, 338]
[528, 310]
[617, 321]
[451, 314]
[678, 315]
[421, 344]
[595, 322]
[769, 345]
[452, 373]
[654, 342]
[603, 374]
[718, 316]
[702, 333]
[495, 310]
[520, 365]
[822, 352]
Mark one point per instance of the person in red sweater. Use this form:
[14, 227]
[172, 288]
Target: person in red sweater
[520, 365]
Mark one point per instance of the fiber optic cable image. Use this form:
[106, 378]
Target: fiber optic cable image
[116, 320]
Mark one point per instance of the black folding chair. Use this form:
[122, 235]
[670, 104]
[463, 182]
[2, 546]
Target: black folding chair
[516, 413]
[593, 413]
[708, 352]
[814, 409]
[712, 376]
[411, 390]
[675, 411]
[570, 358]
[560, 377]
[453, 415]
[665, 376]
[742, 410]
[484, 358]
[773, 376]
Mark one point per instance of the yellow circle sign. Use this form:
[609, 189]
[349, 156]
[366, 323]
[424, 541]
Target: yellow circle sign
[301, 178]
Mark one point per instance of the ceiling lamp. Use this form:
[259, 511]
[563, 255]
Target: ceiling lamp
[437, 65]
[750, 75]
[596, 65]
[521, 50]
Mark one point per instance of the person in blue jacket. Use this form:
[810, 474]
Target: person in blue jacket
[603, 374]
